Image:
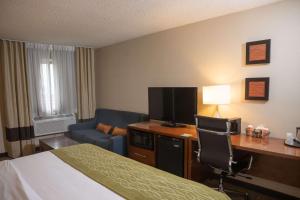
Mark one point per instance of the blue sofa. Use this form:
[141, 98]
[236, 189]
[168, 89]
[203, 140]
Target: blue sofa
[86, 132]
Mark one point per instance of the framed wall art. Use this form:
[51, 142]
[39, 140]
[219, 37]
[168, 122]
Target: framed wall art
[258, 52]
[257, 88]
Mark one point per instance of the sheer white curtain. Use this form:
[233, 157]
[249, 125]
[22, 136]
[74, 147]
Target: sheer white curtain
[51, 72]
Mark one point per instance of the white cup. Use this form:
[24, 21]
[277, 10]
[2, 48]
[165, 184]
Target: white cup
[290, 136]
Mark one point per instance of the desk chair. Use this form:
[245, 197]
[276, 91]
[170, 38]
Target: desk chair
[215, 150]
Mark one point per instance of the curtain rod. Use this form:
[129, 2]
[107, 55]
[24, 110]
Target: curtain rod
[46, 43]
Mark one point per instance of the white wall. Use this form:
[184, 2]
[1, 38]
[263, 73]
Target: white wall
[206, 53]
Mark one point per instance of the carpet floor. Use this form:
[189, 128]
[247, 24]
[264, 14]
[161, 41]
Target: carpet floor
[4, 158]
[253, 192]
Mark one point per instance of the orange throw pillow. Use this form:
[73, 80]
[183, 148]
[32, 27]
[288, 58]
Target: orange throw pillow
[119, 131]
[105, 128]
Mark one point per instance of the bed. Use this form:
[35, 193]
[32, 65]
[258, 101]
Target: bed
[89, 172]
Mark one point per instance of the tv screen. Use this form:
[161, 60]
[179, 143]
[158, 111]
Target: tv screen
[173, 104]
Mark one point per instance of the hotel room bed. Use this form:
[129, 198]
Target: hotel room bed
[89, 172]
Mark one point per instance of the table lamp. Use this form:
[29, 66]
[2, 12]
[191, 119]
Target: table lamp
[216, 95]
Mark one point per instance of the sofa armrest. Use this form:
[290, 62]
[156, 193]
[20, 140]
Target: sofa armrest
[119, 145]
[82, 126]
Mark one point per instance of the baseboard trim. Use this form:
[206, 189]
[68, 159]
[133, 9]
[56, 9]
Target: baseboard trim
[5, 154]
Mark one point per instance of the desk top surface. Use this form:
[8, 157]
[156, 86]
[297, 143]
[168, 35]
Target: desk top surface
[268, 146]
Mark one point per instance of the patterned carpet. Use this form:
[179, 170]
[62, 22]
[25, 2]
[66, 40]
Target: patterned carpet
[254, 193]
[4, 158]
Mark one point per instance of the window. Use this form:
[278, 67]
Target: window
[51, 72]
[50, 94]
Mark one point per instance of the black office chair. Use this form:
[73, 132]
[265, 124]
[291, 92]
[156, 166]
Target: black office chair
[215, 150]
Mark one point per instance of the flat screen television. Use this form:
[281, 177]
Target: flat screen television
[174, 105]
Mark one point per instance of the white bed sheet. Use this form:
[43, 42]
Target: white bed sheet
[43, 176]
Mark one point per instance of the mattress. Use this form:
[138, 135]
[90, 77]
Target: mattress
[44, 176]
[86, 171]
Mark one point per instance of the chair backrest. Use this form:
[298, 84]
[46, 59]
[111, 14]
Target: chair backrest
[215, 147]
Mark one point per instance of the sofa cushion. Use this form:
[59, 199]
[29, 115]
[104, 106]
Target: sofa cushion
[99, 139]
[105, 128]
[119, 131]
[118, 118]
[77, 134]
[80, 135]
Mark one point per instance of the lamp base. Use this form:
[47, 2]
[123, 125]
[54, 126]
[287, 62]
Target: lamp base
[217, 114]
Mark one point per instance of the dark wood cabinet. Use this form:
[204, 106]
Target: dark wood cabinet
[142, 155]
[48, 144]
[143, 146]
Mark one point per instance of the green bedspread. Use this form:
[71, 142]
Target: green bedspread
[131, 179]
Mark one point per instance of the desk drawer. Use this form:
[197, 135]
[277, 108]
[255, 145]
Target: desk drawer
[142, 155]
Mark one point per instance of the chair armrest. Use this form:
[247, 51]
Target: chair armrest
[243, 159]
[82, 126]
[250, 163]
[118, 144]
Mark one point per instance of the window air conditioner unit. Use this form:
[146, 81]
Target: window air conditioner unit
[58, 124]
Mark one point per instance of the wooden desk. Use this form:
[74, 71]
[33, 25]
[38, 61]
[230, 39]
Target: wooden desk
[154, 127]
[273, 161]
[269, 146]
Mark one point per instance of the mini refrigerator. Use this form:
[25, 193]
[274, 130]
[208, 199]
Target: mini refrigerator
[170, 155]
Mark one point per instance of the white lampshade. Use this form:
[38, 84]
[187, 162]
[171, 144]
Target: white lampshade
[216, 95]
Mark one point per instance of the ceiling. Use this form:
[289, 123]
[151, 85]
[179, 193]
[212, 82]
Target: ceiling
[99, 23]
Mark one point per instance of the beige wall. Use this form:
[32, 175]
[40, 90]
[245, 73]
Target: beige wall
[2, 149]
[207, 53]
[2, 133]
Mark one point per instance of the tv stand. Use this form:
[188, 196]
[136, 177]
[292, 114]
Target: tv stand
[173, 125]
